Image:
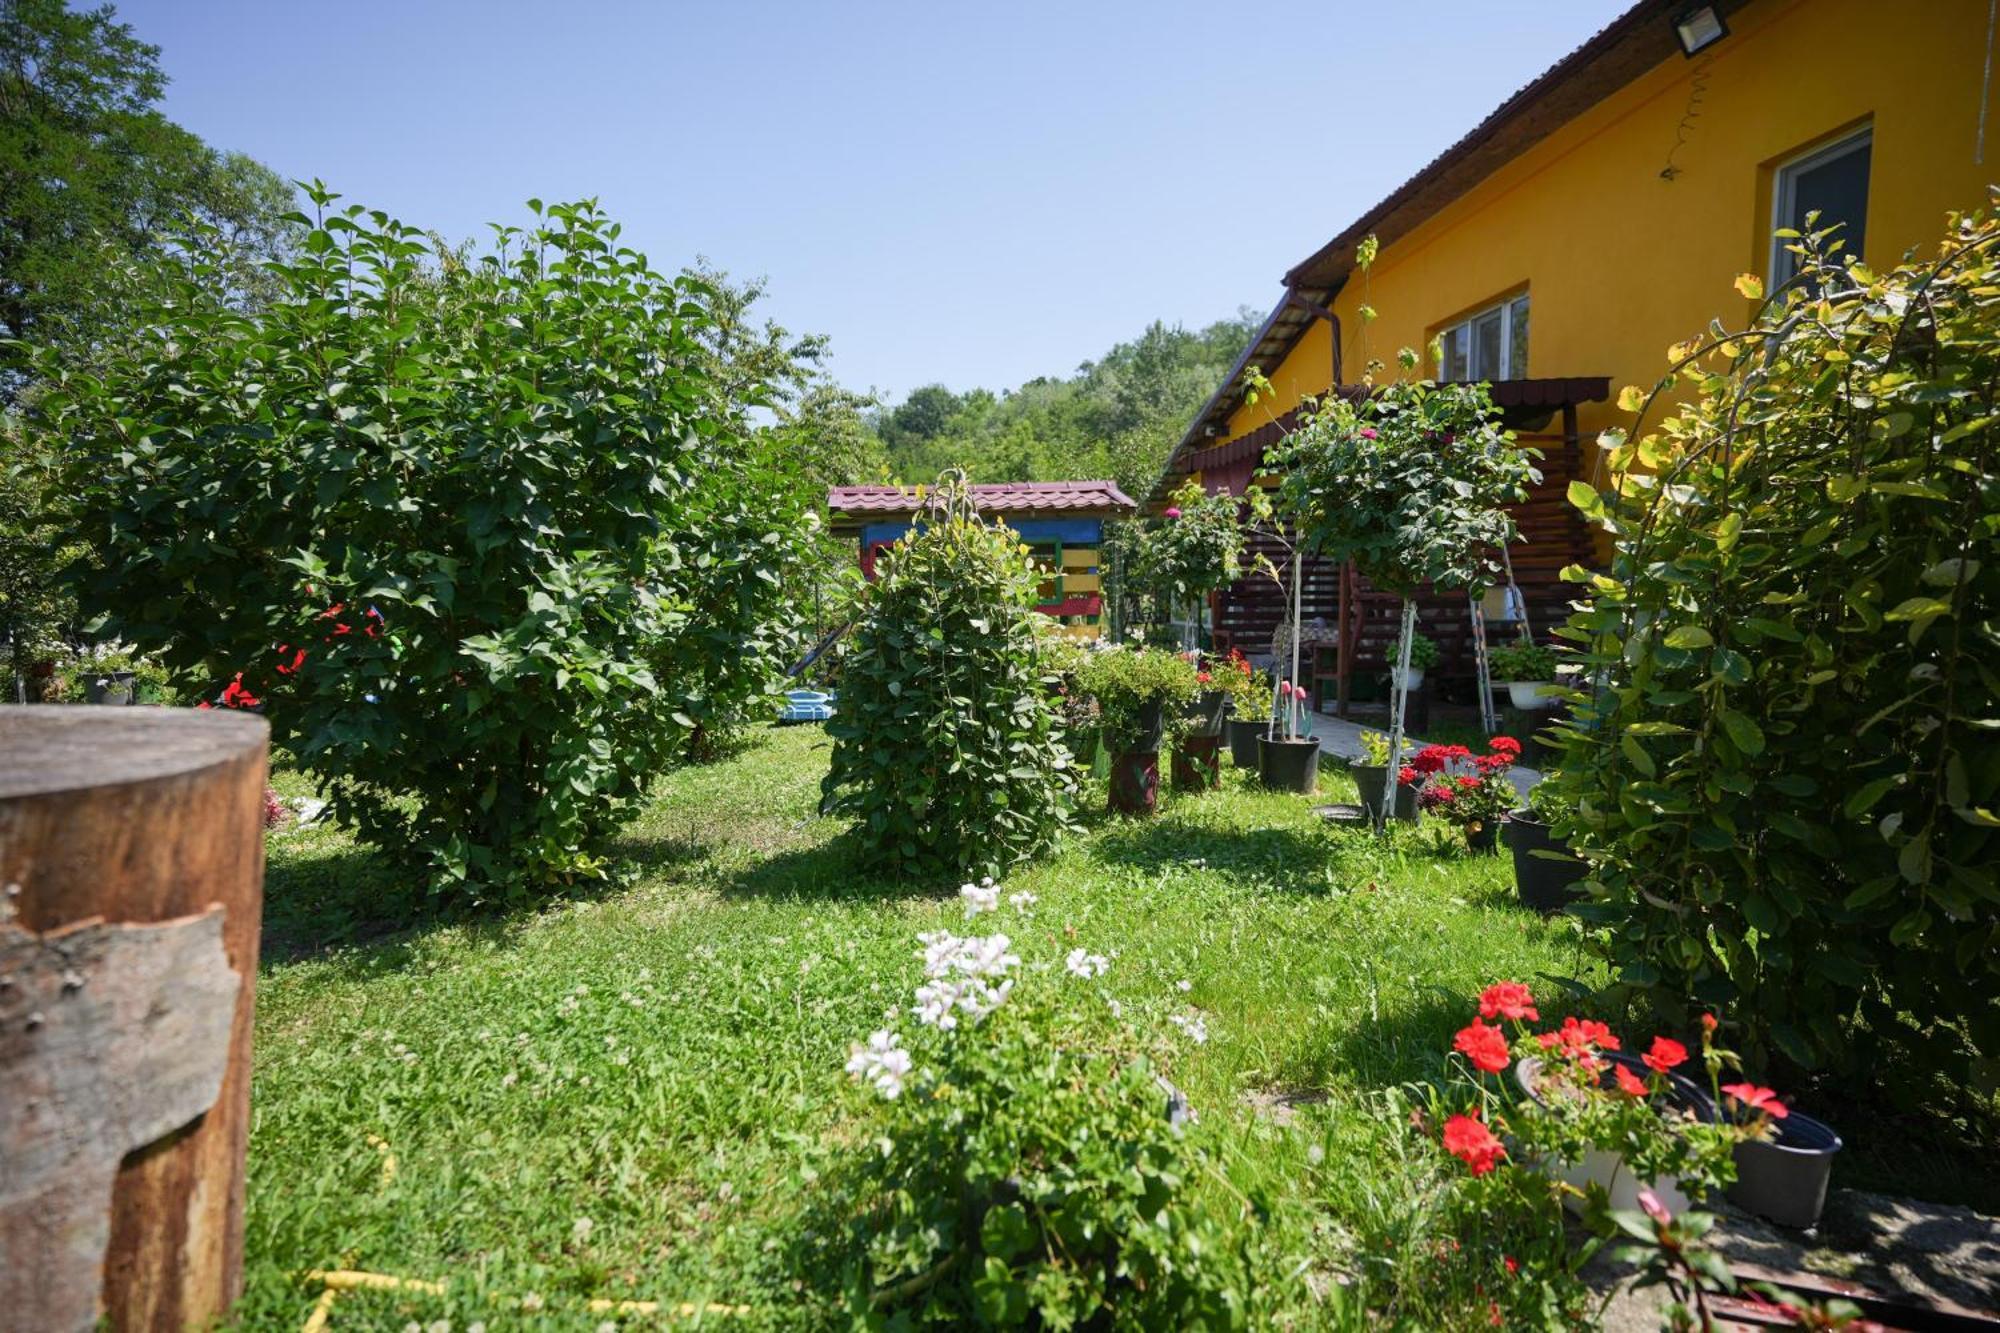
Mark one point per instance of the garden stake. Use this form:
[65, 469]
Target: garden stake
[1400, 694]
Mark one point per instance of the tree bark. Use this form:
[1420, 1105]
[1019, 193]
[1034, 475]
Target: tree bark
[132, 864]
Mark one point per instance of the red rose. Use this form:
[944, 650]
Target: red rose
[1472, 1143]
[1485, 1047]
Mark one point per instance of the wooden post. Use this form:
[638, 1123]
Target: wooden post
[132, 864]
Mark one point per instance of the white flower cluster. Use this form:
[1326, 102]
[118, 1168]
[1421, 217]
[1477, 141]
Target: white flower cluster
[1084, 964]
[1192, 1026]
[961, 972]
[981, 897]
[883, 1062]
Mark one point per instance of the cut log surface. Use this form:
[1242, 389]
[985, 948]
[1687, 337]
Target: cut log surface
[132, 860]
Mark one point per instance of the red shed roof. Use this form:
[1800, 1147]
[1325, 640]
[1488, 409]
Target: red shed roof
[1074, 499]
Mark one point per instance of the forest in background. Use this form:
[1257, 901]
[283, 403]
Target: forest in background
[1115, 417]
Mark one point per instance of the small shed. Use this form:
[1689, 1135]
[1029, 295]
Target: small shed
[1061, 521]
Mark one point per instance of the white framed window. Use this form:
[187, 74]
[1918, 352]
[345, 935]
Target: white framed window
[1832, 181]
[1491, 345]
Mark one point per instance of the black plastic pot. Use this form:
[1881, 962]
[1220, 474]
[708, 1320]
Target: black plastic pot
[1545, 882]
[1286, 765]
[1784, 1178]
[1485, 839]
[1243, 733]
[1145, 737]
[1369, 778]
[111, 687]
[1208, 710]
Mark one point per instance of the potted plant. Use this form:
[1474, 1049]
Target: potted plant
[1249, 707]
[1546, 870]
[1781, 1174]
[1528, 670]
[1210, 707]
[1133, 688]
[1614, 1128]
[1470, 791]
[1371, 778]
[1423, 655]
[1288, 752]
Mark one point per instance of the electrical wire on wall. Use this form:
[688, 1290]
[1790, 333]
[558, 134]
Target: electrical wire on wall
[1697, 90]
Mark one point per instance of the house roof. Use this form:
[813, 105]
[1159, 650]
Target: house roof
[1070, 499]
[1634, 42]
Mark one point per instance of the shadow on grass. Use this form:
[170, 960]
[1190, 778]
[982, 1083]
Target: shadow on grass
[834, 869]
[1261, 854]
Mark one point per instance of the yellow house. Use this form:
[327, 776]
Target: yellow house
[1599, 216]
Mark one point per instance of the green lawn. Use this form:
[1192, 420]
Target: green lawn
[638, 1096]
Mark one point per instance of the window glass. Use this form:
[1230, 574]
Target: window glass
[1517, 338]
[1832, 182]
[1454, 354]
[1486, 335]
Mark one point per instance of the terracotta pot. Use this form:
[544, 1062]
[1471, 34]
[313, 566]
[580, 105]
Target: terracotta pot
[1289, 765]
[1135, 782]
[1198, 764]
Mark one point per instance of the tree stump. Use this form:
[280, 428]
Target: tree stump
[132, 869]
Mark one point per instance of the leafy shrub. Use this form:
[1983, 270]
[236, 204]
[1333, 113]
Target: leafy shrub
[1521, 662]
[1787, 780]
[946, 748]
[1127, 681]
[1423, 651]
[1033, 1169]
[450, 518]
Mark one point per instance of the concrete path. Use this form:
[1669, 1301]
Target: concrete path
[1343, 739]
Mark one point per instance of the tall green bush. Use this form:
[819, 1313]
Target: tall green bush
[1788, 774]
[946, 748]
[477, 531]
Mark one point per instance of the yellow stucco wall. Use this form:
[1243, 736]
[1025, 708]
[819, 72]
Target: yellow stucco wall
[1620, 264]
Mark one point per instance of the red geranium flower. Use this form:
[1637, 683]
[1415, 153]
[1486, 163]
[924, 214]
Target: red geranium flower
[1202, 676]
[1406, 775]
[1709, 1023]
[1472, 1143]
[1757, 1099]
[1665, 1054]
[1629, 1083]
[1577, 1039]
[1510, 1000]
[298, 659]
[1485, 1046]
[235, 696]
[1504, 745]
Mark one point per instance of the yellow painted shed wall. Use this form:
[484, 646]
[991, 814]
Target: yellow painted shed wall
[1620, 264]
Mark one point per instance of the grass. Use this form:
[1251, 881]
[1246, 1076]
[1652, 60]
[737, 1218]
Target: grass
[638, 1095]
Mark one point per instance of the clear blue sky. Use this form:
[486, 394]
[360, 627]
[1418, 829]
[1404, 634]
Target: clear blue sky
[972, 193]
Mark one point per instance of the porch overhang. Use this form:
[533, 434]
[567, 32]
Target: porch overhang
[1525, 404]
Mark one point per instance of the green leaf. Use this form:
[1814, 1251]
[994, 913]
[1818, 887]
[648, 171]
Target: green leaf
[1689, 637]
[1744, 733]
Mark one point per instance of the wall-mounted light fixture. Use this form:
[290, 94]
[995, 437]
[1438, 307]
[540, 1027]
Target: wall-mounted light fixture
[1699, 28]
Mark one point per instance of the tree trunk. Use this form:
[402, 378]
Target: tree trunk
[132, 859]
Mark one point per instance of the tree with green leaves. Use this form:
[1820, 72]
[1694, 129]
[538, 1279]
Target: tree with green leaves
[487, 540]
[91, 173]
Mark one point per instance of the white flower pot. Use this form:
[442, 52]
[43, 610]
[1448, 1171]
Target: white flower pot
[1528, 695]
[1609, 1170]
[1408, 681]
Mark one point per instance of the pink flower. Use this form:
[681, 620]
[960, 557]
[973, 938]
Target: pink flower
[1173, 513]
[1650, 1203]
[1367, 433]
[1756, 1099]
